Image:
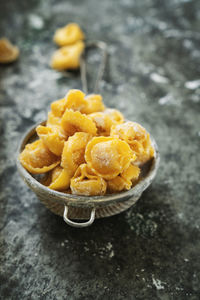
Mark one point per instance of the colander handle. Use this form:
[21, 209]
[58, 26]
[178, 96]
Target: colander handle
[76, 224]
[83, 68]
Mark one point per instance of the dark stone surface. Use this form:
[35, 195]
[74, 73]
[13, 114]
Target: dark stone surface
[152, 251]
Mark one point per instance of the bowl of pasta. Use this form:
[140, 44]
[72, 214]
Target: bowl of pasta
[86, 161]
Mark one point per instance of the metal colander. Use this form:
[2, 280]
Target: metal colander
[74, 207]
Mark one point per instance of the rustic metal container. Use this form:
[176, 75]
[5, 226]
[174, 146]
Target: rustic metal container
[86, 207]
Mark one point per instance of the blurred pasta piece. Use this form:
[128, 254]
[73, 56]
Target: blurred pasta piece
[94, 103]
[69, 34]
[68, 57]
[8, 52]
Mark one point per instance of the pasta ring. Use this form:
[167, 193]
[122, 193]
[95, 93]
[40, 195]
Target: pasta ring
[85, 182]
[68, 57]
[125, 180]
[74, 121]
[75, 100]
[58, 179]
[37, 158]
[74, 150]
[52, 139]
[108, 156]
[68, 35]
[94, 103]
[137, 138]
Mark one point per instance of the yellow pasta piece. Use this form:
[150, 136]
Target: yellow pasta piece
[117, 184]
[74, 121]
[94, 103]
[74, 150]
[58, 107]
[75, 100]
[37, 158]
[125, 180]
[8, 52]
[68, 57]
[53, 121]
[68, 35]
[59, 179]
[108, 156]
[52, 138]
[131, 173]
[104, 120]
[115, 115]
[85, 182]
[103, 123]
[138, 139]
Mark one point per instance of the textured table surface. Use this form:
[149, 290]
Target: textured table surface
[151, 251]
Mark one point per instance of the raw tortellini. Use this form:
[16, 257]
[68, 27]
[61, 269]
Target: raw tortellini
[68, 57]
[73, 153]
[104, 120]
[58, 179]
[38, 159]
[8, 52]
[137, 138]
[108, 156]
[86, 182]
[70, 39]
[74, 121]
[52, 138]
[86, 148]
[125, 180]
[94, 103]
[68, 35]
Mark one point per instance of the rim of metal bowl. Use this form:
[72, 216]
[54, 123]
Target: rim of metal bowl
[90, 201]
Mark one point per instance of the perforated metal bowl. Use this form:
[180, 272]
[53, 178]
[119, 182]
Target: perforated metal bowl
[74, 207]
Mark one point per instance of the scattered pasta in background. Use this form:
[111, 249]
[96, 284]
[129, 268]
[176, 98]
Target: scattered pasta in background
[68, 57]
[70, 39]
[8, 52]
[86, 148]
[68, 35]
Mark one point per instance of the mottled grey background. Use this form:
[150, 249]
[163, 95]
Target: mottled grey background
[152, 251]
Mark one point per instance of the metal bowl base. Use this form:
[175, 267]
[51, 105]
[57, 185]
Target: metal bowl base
[80, 213]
